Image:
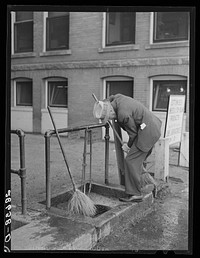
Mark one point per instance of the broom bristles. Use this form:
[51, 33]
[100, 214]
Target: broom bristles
[80, 203]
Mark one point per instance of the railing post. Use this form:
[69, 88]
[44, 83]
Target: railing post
[106, 137]
[162, 159]
[47, 170]
[22, 170]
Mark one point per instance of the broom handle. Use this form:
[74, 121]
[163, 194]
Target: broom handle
[95, 97]
[61, 147]
[116, 133]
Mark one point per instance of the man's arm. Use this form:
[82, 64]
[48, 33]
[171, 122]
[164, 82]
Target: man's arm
[131, 129]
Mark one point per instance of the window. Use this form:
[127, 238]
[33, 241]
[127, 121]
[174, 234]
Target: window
[170, 26]
[23, 32]
[58, 93]
[24, 93]
[162, 90]
[57, 31]
[124, 87]
[120, 28]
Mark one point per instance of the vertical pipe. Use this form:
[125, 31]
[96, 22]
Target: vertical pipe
[90, 141]
[47, 170]
[84, 164]
[106, 137]
[22, 171]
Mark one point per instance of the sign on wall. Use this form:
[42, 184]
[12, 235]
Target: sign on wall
[174, 119]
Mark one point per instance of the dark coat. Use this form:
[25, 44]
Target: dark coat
[130, 115]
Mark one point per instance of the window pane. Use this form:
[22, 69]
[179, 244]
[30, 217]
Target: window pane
[169, 26]
[24, 37]
[57, 94]
[24, 16]
[24, 93]
[56, 14]
[120, 28]
[58, 33]
[123, 87]
[162, 90]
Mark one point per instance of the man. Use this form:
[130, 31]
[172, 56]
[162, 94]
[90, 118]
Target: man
[143, 129]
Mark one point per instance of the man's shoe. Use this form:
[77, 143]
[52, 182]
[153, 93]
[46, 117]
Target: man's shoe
[132, 198]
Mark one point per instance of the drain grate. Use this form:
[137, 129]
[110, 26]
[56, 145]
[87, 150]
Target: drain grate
[100, 209]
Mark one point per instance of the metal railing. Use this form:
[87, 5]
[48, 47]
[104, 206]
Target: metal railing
[48, 135]
[21, 172]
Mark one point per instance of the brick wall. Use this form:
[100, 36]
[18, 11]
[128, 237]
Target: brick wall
[86, 39]
[88, 64]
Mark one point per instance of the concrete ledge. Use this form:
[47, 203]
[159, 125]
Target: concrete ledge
[56, 230]
[52, 233]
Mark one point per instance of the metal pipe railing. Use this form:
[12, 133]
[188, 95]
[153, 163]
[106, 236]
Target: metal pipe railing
[107, 138]
[48, 135]
[22, 170]
[47, 166]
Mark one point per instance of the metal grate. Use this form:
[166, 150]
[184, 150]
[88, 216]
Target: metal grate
[100, 209]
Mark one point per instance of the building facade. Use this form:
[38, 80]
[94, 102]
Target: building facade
[60, 58]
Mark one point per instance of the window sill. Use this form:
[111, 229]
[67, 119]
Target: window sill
[22, 108]
[118, 48]
[56, 53]
[23, 55]
[163, 113]
[167, 45]
[56, 110]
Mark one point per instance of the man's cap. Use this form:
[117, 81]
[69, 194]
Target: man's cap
[101, 110]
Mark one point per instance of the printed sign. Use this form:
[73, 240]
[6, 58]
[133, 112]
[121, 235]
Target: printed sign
[174, 119]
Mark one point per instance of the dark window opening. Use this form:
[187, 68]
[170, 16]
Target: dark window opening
[23, 32]
[170, 26]
[57, 31]
[163, 89]
[120, 28]
[57, 94]
[24, 93]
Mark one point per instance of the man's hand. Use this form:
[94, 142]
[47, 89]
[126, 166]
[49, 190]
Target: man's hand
[125, 148]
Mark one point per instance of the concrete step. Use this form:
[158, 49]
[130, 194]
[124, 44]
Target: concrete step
[56, 230]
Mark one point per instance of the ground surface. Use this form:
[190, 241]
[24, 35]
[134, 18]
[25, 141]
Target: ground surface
[165, 227]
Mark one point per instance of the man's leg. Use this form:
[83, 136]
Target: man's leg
[145, 162]
[133, 170]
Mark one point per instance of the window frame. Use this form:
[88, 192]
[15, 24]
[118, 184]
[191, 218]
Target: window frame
[106, 32]
[47, 39]
[184, 81]
[19, 80]
[157, 41]
[13, 30]
[51, 80]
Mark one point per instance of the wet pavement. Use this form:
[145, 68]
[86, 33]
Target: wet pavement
[166, 228]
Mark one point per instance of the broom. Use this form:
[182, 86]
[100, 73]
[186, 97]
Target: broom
[79, 203]
[146, 178]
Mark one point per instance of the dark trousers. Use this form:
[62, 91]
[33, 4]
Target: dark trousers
[145, 162]
[133, 170]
